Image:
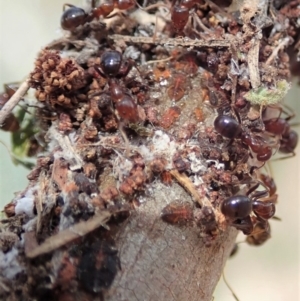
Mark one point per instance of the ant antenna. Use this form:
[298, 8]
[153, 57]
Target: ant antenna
[156, 5]
[229, 287]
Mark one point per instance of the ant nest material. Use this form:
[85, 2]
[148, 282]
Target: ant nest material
[156, 137]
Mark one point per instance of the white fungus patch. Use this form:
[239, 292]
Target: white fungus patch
[197, 180]
[122, 167]
[218, 165]
[196, 163]
[162, 145]
[25, 205]
[9, 265]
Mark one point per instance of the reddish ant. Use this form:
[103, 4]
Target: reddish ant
[112, 65]
[269, 183]
[260, 234]
[75, 16]
[281, 127]
[180, 14]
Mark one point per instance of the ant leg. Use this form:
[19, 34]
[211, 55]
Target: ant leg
[293, 154]
[273, 198]
[198, 21]
[126, 140]
[229, 287]
[69, 5]
[253, 188]
[156, 5]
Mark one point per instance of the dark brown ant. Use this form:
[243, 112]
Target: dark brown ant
[237, 209]
[112, 65]
[75, 16]
[230, 128]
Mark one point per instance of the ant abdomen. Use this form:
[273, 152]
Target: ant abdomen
[276, 126]
[127, 109]
[72, 18]
[179, 17]
[264, 210]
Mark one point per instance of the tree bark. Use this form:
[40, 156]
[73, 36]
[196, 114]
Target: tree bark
[166, 262]
[124, 204]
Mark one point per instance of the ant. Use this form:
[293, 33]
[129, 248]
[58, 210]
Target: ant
[237, 209]
[260, 234]
[112, 66]
[288, 142]
[75, 16]
[180, 14]
[270, 184]
[230, 128]
[281, 127]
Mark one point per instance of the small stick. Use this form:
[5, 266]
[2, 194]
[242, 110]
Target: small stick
[274, 54]
[187, 184]
[13, 101]
[68, 235]
[184, 42]
[252, 60]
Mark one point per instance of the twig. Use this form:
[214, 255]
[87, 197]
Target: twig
[187, 184]
[185, 42]
[283, 43]
[13, 101]
[66, 236]
[252, 60]
[39, 203]
[67, 147]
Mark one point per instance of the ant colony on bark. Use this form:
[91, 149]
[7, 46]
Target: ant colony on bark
[163, 105]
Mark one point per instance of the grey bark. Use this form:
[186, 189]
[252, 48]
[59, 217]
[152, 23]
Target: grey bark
[164, 262]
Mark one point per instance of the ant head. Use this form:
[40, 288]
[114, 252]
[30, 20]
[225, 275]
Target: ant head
[111, 62]
[227, 126]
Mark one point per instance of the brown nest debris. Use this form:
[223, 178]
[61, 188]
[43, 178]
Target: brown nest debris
[174, 108]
